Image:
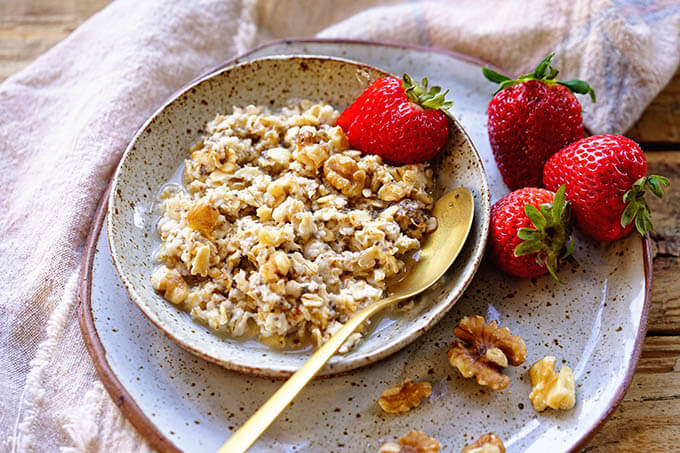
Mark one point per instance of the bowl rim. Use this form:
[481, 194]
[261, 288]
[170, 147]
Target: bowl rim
[331, 369]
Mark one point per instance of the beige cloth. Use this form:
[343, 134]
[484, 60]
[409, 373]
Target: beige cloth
[67, 118]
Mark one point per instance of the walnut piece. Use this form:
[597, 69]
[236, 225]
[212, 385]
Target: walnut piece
[489, 348]
[410, 218]
[550, 389]
[404, 397]
[171, 283]
[488, 443]
[413, 442]
[203, 217]
[344, 174]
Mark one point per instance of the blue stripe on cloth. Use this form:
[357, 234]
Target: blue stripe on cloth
[649, 12]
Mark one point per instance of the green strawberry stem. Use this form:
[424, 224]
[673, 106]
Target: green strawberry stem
[636, 205]
[544, 72]
[429, 98]
[551, 237]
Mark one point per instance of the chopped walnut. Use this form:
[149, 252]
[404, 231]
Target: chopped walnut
[488, 443]
[413, 442]
[404, 397]
[344, 174]
[550, 389]
[489, 349]
[392, 192]
[203, 217]
[410, 218]
[171, 283]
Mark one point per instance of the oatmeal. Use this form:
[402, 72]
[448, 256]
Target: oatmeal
[281, 230]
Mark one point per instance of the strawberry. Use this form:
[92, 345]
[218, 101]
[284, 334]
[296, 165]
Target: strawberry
[399, 120]
[530, 232]
[530, 119]
[605, 184]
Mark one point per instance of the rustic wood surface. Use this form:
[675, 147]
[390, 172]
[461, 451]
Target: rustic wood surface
[648, 419]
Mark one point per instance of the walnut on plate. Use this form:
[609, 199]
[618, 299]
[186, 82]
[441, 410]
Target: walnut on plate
[413, 442]
[551, 389]
[488, 443]
[486, 349]
[404, 397]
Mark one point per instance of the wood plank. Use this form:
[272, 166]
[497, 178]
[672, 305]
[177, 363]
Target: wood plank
[659, 123]
[648, 418]
[28, 28]
[664, 316]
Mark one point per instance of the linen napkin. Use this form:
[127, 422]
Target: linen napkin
[67, 118]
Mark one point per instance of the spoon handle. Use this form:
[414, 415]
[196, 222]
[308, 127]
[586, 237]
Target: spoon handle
[242, 439]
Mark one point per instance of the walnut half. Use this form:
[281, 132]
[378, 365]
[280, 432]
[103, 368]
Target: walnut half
[486, 350]
[551, 389]
[413, 442]
[404, 397]
[488, 443]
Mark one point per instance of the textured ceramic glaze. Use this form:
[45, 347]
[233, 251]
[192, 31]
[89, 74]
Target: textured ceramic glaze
[594, 323]
[161, 147]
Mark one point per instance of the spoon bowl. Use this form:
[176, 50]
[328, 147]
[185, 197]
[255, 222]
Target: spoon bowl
[454, 212]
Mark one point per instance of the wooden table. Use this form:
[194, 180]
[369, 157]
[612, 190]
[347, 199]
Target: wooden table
[648, 419]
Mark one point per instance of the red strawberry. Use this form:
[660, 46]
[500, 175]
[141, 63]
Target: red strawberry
[605, 180]
[530, 119]
[530, 232]
[399, 120]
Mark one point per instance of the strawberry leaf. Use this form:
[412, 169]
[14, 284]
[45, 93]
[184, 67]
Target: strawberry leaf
[551, 264]
[570, 248]
[643, 225]
[539, 72]
[580, 87]
[637, 208]
[546, 210]
[535, 216]
[550, 239]
[423, 95]
[494, 76]
[528, 234]
[544, 72]
[654, 182]
[559, 203]
[629, 213]
[528, 247]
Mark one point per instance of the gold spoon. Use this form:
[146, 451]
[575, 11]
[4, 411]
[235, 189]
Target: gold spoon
[454, 212]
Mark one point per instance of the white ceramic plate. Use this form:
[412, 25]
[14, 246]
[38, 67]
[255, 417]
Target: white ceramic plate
[595, 323]
[159, 149]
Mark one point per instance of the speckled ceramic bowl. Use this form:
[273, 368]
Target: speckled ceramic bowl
[160, 147]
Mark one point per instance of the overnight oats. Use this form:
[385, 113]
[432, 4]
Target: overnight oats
[282, 232]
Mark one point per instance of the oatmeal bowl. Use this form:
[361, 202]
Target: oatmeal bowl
[246, 228]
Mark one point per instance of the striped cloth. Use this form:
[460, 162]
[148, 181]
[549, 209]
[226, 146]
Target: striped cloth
[67, 118]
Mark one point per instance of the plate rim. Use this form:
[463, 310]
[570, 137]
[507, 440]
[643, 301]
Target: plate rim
[126, 403]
